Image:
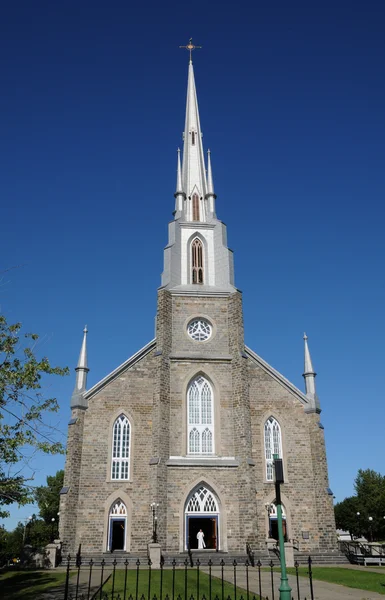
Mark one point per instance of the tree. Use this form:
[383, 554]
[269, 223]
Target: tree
[23, 412]
[47, 497]
[364, 513]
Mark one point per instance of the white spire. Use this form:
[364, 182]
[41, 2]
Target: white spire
[210, 186]
[193, 169]
[82, 369]
[309, 376]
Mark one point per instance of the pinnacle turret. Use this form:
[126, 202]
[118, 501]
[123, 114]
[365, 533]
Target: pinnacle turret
[77, 399]
[210, 187]
[179, 193]
[309, 376]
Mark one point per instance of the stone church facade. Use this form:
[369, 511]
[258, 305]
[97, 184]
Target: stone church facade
[183, 433]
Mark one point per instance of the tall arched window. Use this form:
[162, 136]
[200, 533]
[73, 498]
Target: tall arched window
[195, 207]
[273, 445]
[121, 439]
[197, 261]
[200, 410]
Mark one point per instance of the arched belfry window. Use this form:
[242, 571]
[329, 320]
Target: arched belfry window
[121, 440]
[200, 411]
[273, 445]
[197, 261]
[195, 207]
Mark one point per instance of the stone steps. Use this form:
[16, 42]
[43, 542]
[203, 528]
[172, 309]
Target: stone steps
[327, 558]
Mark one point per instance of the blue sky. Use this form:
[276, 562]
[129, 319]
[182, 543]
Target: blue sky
[292, 100]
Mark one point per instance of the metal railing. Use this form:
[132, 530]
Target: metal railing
[214, 580]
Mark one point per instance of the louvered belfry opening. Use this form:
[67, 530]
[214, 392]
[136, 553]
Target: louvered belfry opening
[195, 207]
[197, 261]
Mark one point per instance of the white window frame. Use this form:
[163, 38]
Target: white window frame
[200, 418]
[272, 445]
[121, 449]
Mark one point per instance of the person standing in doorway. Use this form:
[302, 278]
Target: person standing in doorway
[201, 541]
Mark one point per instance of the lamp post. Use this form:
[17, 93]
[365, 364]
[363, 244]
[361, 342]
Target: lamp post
[26, 522]
[370, 528]
[52, 528]
[57, 525]
[358, 521]
[284, 588]
[154, 508]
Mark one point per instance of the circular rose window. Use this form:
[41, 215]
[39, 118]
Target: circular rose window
[199, 330]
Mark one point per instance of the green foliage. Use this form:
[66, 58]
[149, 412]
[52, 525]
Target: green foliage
[23, 430]
[369, 501]
[47, 497]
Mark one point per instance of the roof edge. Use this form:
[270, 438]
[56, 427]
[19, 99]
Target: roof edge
[127, 363]
[278, 377]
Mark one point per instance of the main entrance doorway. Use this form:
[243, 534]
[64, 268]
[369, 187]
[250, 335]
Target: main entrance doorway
[117, 527]
[202, 514]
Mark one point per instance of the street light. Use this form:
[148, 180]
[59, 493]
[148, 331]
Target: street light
[57, 528]
[52, 528]
[26, 522]
[154, 508]
[370, 528]
[358, 519]
[284, 588]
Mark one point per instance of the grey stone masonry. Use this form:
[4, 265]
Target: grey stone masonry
[152, 393]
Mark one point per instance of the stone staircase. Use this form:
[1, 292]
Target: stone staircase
[326, 558]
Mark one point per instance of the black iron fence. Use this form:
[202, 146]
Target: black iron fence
[120, 579]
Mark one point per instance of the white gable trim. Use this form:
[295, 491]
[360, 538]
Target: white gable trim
[127, 363]
[277, 376]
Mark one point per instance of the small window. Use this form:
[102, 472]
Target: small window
[197, 261]
[195, 207]
[193, 138]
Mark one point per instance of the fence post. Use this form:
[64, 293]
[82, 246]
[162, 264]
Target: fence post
[272, 578]
[259, 565]
[310, 578]
[67, 577]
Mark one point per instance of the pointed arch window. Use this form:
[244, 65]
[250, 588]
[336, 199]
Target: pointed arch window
[195, 207]
[273, 445]
[121, 441]
[200, 407]
[197, 261]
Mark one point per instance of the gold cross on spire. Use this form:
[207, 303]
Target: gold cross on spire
[190, 47]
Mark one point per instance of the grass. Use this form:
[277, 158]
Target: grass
[26, 585]
[353, 578]
[167, 588]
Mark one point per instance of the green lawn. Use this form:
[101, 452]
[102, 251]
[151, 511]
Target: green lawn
[192, 585]
[26, 585]
[354, 578]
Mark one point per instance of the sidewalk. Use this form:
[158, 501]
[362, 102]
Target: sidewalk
[322, 589]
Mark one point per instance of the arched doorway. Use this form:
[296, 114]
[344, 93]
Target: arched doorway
[273, 522]
[117, 526]
[202, 513]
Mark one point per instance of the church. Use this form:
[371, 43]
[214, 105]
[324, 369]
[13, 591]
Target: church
[179, 439]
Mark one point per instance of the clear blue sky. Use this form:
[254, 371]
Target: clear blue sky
[292, 99]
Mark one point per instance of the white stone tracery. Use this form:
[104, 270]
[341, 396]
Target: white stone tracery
[200, 417]
[120, 464]
[199, 330]
[202, 501]
[273, 445]
[118, 509]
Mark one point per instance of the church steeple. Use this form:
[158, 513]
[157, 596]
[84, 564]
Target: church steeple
[82, 369]
[196, 258]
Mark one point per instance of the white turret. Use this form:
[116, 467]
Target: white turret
[77, 399]
[180, 196]
[309, 376]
